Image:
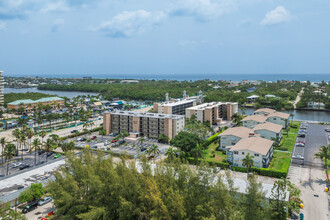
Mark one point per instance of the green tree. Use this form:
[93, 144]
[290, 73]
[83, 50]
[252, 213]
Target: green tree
[153, 151]
[36, 146]
[102, 132]
[197, 153]
[68, 146]
[142, 140]
[3, 144]
[49, 145]
[185, 141]
[277, 202]
[17, 134]
[170, 153]
[42, 134]
[35, 192]
[248, 162]
[255, 203]
[8, 154]
[29, 134]
[324, 154]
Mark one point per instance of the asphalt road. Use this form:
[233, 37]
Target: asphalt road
[315, 138]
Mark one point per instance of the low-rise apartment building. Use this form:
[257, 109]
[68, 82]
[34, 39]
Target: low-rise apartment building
[252, 120]
[213, 112]
[176, 107]
[264, 111]
[260, 148]
[29, 104]
[143, 124]
[231, 136]
[269, 131]
[279, 118]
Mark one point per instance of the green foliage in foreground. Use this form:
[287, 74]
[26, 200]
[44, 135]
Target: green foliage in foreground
[93, 187]
[10, 97]
[35, 192]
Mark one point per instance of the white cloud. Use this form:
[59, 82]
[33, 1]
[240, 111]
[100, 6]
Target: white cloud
[3, 26]
[130, 23]
[277, 16]
[55, 6]
[57, 24]
[204, 10]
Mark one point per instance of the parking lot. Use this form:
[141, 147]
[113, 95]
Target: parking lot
[129, 146]
[306, 146]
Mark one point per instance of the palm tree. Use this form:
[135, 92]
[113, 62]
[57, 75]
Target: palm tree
[68, 146]
[29, 134]
[123, 134]
[49, 146]
[324, 154]
[291, 115]
[236, 118]
[141, 140]
[22, 143]
[17, 135]
[170, 153]
[36, 146]
[8, 153]
[3, 144]
[153, 150]
[42, 134]
[248, 162]
[102, 132]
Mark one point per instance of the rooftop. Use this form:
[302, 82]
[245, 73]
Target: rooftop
[255, 144]
[269, 126]
[180, 102]
[30, 101]
[280, 115]
[241, 132]
[147, 115]
[210, 105]
[258, 118]
[267, 110]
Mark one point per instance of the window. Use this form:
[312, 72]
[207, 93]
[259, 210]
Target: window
[274, 119]
[243, 153]
[233, 138]
[235, 152]
[232, 143]
[256, 155]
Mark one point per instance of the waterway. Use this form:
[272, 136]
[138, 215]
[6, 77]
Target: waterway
[300, 115]
[70, 95]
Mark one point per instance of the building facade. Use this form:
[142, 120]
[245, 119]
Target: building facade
[252, 120]
[279, 118]
[143, 124]
[269, 131]
[231, 136]
[174, 107]
[29, 104]
[1, 89]
[213, 112]
[260, 148]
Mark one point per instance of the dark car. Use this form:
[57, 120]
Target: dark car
[31, 206]
[301, 134]
[24, 166]
[121, 142]
[74, 131]
[83, 139]
[20, 187]
[41, 152]
[94, 147]
[143, 149]
[50, 154]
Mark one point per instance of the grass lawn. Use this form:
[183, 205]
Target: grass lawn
[289, 141]
[281, 161]
[208, 156]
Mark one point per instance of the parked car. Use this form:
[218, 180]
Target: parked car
[20, 187]
[114, 141]
[83, 139]
[93, 138]
[30, 207]
[327, 129]
[300, 145]
[24, 166]
[94, 147]
[328, 137]
[121, 142]
[41, 152]
[106, 143]
[78, 139]
[50, 154]
[143, 149]
[45, 200]
[57, 156]
[74, 131]
[300, 142]
[301, 135]
[16, 164]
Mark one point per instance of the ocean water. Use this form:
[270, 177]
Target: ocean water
[228, 77]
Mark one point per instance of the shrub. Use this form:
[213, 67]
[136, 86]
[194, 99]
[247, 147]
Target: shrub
[263, 171]
[192, 160]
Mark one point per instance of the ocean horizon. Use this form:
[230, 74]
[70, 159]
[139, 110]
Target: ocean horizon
[194, 77]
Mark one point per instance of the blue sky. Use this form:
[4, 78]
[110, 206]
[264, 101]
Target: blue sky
[164, 37]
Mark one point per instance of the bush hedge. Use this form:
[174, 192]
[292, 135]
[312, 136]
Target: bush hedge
[263, 171]
[224, 165]
[211, 139]
[115, 154]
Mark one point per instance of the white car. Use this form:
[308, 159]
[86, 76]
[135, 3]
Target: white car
[45, 200]
[16, 164]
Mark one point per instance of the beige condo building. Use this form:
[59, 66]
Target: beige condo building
[143, 124]
[1, 89]
[174, 107]
[213, 112]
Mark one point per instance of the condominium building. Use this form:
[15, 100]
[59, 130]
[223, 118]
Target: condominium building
[231, 136]
[1, 88]
[252, 120]
[143, 124]
[177, 107]
[29, 104]
[260, 148]
[213, 112]
[264, 111]
[269, 131]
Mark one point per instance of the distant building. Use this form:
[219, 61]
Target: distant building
[174, 107]
[213, 112]
[264, 111]
[260, 148]
[250, 82]
[129, 81]
[29, 104]
[1, 88]
[252, 98]
[315, 105]
[143, 124]
[87, 77]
